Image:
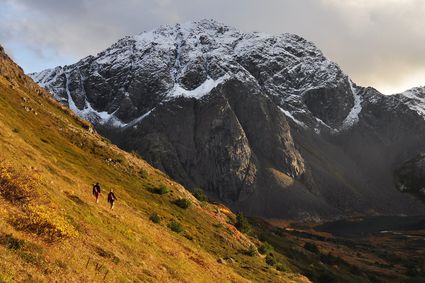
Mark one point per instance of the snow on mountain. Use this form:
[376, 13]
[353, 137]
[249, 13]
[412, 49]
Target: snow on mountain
[415, 99]
[189, 60]
[262, 121]
[199, 91]
[353, 116]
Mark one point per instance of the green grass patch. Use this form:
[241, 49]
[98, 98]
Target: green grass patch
[155, 218]
[182, 203]
[11, 242]
[242, 223]
[175, 226]
[265, 248]
[161, 190]
[200, 195]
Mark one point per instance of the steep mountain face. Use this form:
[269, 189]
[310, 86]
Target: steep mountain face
[52, 230]
[410, 176]
[264, 123]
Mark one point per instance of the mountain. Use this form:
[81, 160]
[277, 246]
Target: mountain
[51, 229]
[263, 123]
[410, 175]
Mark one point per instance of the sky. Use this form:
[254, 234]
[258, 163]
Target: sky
[379, 43]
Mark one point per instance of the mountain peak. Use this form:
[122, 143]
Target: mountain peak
[414, 90]
[191, 59]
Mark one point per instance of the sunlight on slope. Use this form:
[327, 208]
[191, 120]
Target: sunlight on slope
[58, 233]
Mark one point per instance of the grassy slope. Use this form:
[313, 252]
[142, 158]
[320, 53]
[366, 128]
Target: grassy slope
[57, 232]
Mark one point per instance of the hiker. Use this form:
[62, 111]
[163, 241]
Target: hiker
[96, 191]
[112, 198]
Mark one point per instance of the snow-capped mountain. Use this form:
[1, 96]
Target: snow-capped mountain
[415, 99]
[189, 60]
[264, 122]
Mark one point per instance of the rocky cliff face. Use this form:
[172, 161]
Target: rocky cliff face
[265, 123]
[410, 177]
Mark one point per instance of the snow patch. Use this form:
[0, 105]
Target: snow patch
[139, 119]
[88, 113]
[289, 115]
[202, 90]
[415, 100]
[353, 117]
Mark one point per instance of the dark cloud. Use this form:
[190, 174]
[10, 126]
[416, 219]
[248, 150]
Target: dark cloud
[377, 42]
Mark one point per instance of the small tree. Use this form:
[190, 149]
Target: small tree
[143, 173]
[265, 248]
[252, 251]
[311, 247]
[161, 190]
[270, 260]
[200, 195]
[155, 218]
[182, 203]
[175, 226]
[281, 267]
[242, 223]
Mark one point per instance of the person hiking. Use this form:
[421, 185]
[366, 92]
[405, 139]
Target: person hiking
[96, 191]
[112, 198]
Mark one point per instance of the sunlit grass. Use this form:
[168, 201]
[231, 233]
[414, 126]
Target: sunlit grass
[49, 162]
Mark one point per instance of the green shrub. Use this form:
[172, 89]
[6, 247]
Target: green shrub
[270, 260]
[161, 190]
[155, 218]
[11, 242]
[328, 277]
[136, 154]
[116, 260]
[199, 194]
[282, 267]
[311, 247]
[189, 237]
[182, 203]
[218, 225]
[143, 173]
[265, 248]
[175, 226]
[330, 259]
[252, 251]
[105, 140]
[242, 223]
[29, 257]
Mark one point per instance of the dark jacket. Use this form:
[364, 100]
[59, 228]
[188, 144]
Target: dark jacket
[96, 189]
[111, 197]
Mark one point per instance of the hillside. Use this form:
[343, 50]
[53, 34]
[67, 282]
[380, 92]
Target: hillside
[51, 229]
[264, 123]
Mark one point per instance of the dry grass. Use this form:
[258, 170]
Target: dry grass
[50, 160]
[15, 188]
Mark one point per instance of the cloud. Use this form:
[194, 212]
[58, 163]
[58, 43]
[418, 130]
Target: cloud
[378, 43]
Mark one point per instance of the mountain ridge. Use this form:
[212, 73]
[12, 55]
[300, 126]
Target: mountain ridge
[264, 123]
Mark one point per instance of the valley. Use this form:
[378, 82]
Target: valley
[235, 157]
[353, 250]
